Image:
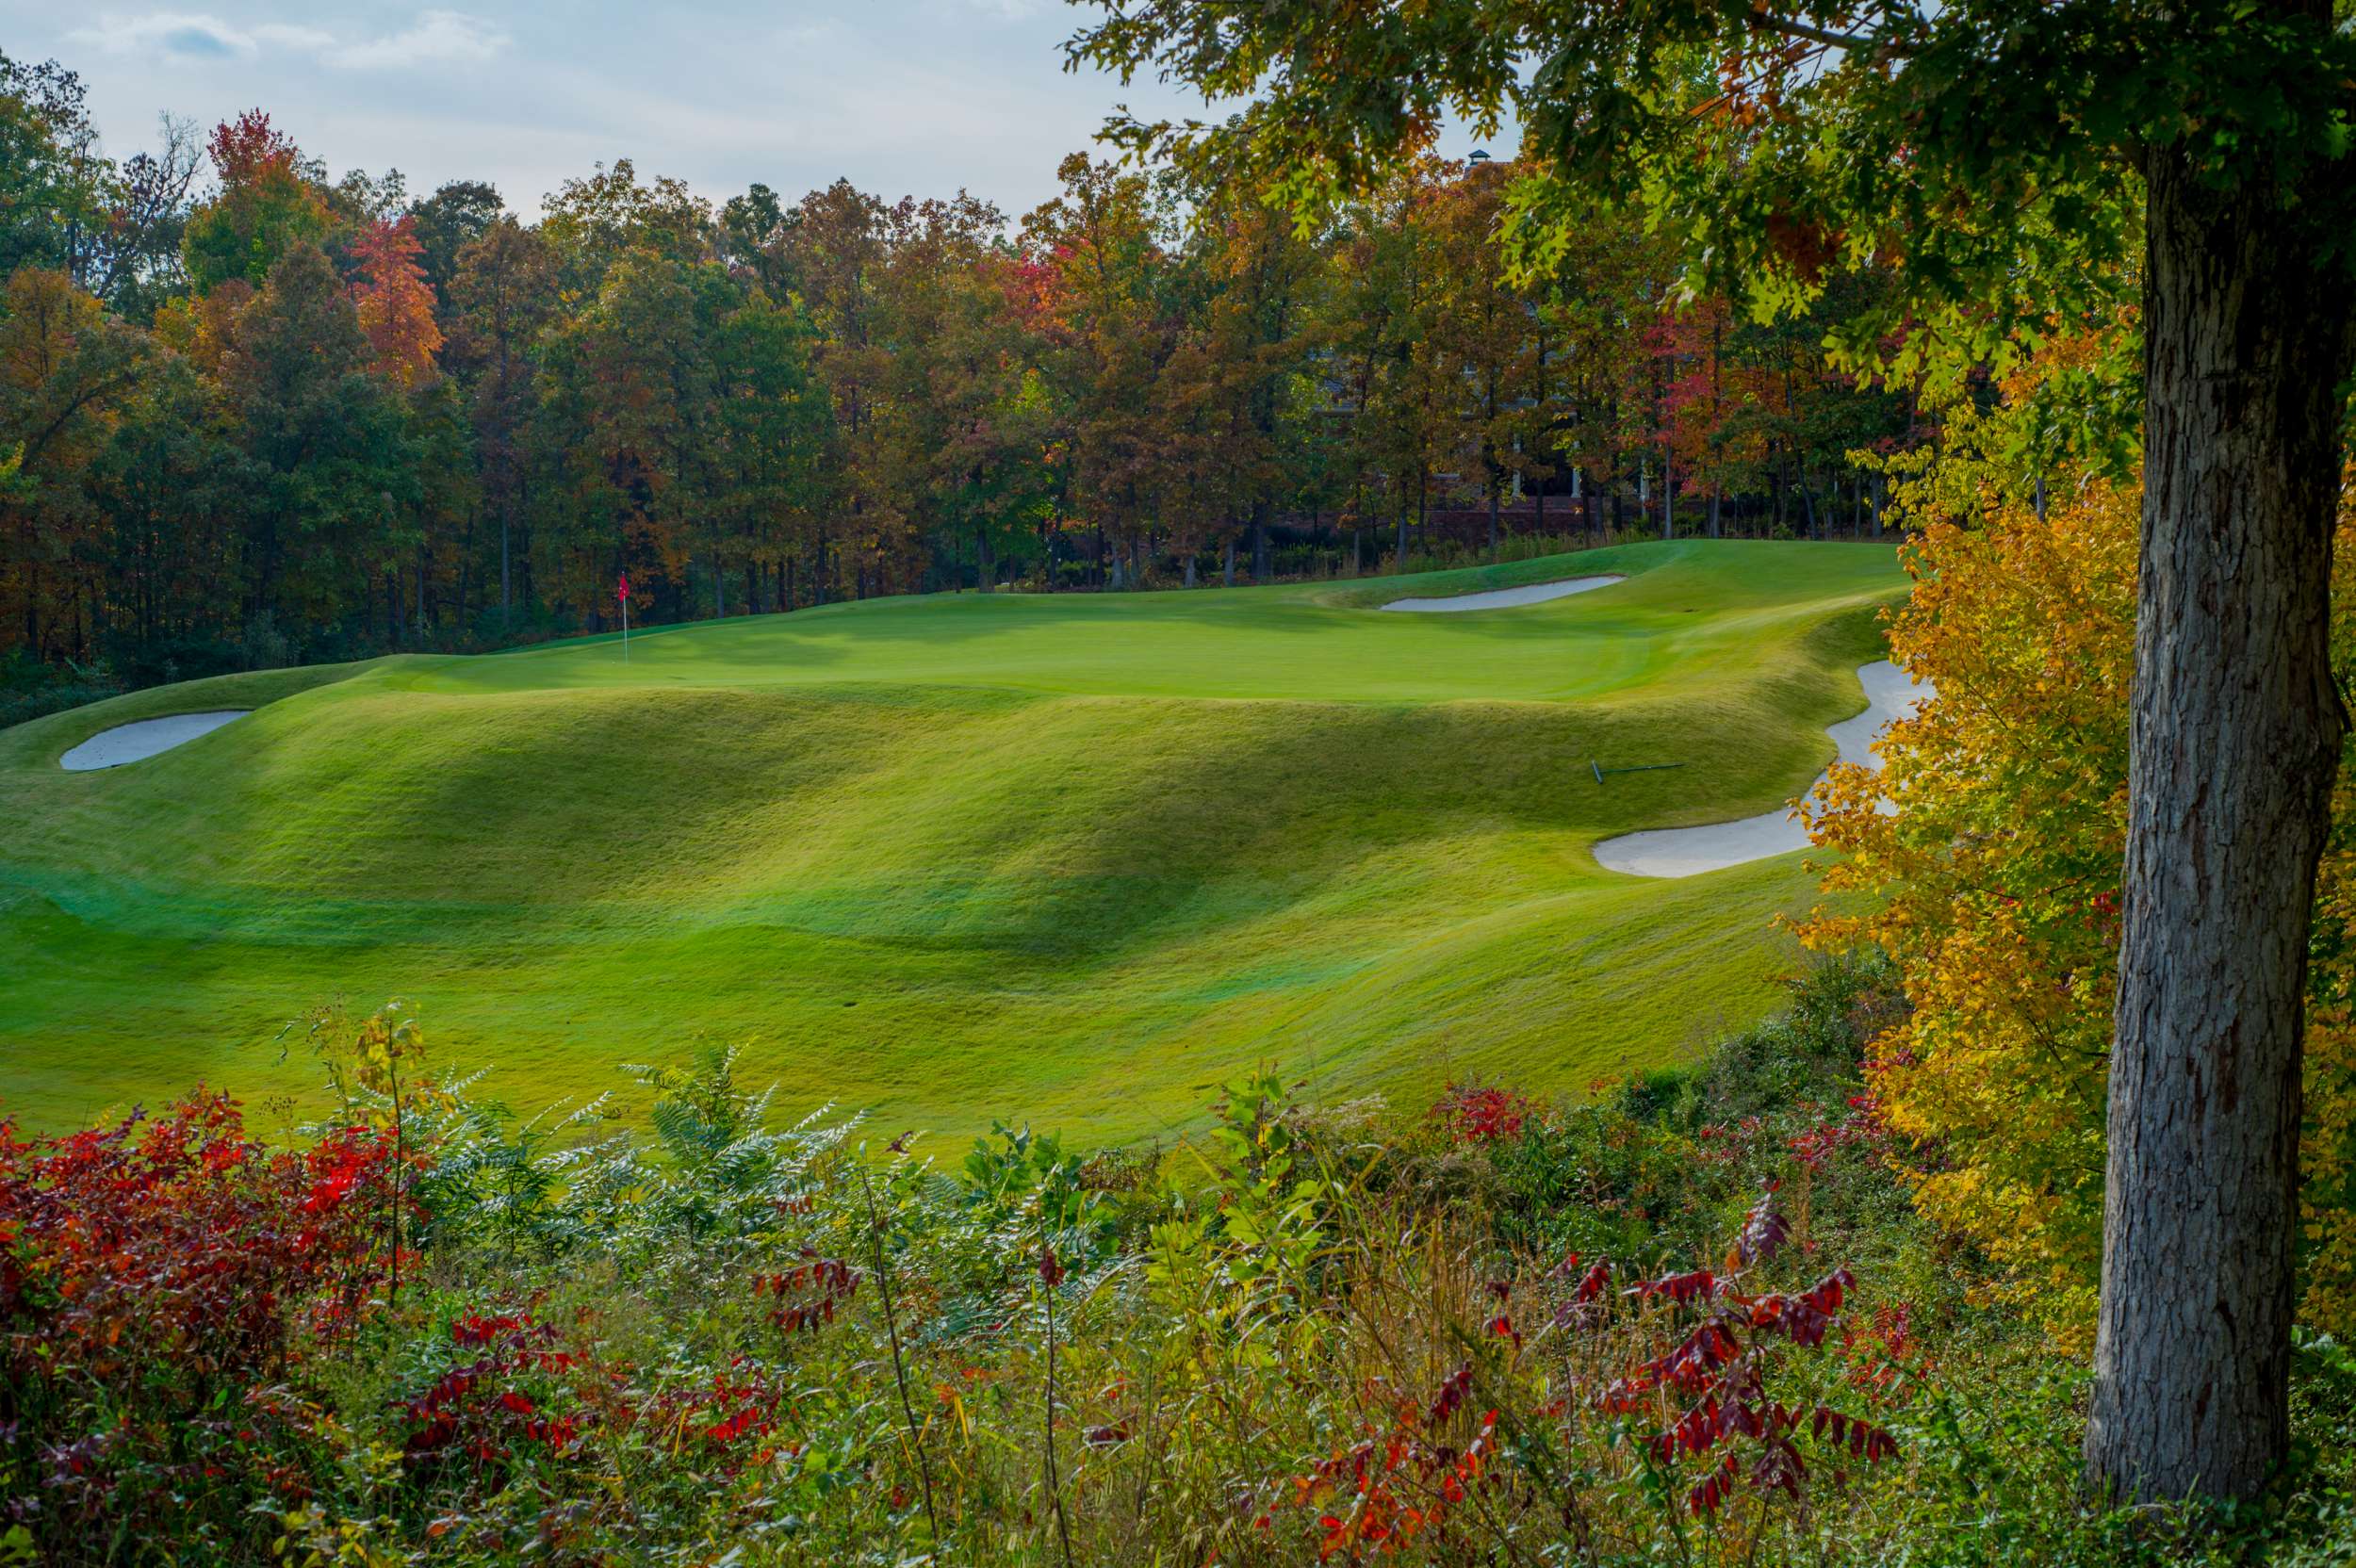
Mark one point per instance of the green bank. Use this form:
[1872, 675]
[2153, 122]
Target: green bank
[941, 856]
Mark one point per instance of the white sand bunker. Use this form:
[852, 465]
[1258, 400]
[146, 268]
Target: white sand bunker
[136, 743]
[1506, 598]
[1689, 851]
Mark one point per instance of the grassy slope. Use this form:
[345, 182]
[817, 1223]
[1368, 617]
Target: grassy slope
[1077, 857]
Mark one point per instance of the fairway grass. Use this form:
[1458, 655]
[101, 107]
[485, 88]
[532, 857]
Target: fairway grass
[1071, 860]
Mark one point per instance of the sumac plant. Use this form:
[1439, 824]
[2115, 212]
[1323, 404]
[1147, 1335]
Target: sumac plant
[501, 1399]
[150, 1273]
[807, 1294]
[1405, 1482]
[1483, 1113]
[1713, 1390]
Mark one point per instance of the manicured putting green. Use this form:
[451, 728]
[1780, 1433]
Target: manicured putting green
[1068, 859]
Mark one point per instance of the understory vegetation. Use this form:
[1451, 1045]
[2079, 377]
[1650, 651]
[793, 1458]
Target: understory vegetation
[1693, 1320]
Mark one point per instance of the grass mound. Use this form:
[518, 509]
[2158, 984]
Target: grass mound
[1085, 854]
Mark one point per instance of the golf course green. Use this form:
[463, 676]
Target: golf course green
[1072, 857]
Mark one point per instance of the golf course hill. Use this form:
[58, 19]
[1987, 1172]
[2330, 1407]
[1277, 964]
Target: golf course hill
[1072, 857]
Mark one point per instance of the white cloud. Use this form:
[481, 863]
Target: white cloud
[435, 37]
[293, 38]
[170, 32]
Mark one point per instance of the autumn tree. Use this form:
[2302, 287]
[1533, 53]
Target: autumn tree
[173, 490]
[1258, 275]
[504, 291]
[751, 237]
[1988, 150]
[269, 202]
[1486, 335]
[1108, 333]
[1998, 885]
[457, 214]
[394, 303]
[329, 459]
[773, 432]
[591, 222]
[51, 199]
[628, 399]
[840, 247]
[66, 372]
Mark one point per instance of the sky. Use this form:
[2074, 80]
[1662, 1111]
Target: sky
[921, 97]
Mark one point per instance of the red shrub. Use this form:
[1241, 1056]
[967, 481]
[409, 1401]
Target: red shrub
[1407, 1481]
[1472, 1113]
[154, 1272]
[180, 1244]
[808, 1293]
[1717, 1374]
[484, 1411]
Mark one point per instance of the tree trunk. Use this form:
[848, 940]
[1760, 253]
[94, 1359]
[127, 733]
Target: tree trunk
[1261, 568]
[1227, 563]
[2235, 736]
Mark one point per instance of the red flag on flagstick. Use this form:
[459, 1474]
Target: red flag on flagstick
[625, 587]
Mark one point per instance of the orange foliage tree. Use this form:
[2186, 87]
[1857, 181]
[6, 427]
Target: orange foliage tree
[395, 303]
[1995, 882]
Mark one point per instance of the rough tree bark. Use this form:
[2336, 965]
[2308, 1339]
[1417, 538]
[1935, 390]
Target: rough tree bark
[2234, 736]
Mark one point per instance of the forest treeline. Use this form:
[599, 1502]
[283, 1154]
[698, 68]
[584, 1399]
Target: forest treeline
[252, 415]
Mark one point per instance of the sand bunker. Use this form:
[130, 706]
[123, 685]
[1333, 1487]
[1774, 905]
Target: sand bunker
[1688, 851]
[136, 743]
[1506, 598]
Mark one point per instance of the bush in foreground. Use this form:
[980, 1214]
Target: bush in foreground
[1694, 1321]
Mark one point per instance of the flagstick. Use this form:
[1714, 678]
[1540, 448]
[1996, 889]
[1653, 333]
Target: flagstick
[625, 630]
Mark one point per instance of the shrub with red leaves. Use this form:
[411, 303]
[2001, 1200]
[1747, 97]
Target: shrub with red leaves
[148, 1269]
[1717, 1375]
[730, 1420]
[503, 1399]
[1472, 1113]
[808, 1293]
[1886, 1359]
[181, 1243]
[1407, 1482]
[1816, 1146]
